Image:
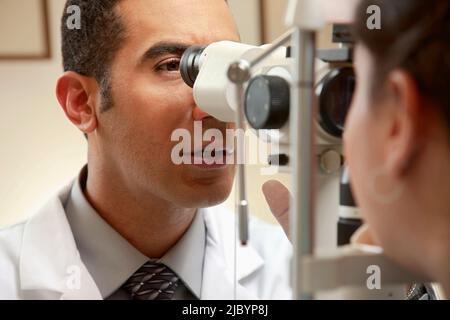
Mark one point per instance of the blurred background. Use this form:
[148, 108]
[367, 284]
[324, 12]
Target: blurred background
[40, 149]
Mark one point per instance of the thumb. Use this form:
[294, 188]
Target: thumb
[278, 198]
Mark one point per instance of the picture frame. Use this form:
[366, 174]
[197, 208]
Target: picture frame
[24, 30]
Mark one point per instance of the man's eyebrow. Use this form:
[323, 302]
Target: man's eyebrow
[162, 48]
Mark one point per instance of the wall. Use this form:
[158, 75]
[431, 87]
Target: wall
[40, 149]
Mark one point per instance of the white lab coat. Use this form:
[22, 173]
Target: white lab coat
[38, 256]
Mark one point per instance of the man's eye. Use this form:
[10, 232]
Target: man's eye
[170, 66]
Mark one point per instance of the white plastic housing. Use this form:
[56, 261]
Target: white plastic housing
[213, 91]
[306, 14]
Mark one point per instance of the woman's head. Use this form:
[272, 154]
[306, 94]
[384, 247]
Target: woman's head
[397, 136]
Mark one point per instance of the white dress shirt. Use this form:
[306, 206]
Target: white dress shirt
[111, 259]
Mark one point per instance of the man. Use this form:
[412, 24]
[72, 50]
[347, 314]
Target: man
[131, 226]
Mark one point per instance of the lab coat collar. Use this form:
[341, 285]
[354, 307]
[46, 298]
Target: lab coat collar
[59, 273]
[48, 239]
[219, 270]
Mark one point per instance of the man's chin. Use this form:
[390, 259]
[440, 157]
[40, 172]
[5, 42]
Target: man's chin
[204, 198]
[204, 191]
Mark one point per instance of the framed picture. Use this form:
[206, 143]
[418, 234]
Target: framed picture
[24, 30]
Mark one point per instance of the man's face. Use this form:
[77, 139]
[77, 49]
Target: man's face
[151, 101]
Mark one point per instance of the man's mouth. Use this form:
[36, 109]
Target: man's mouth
[212, 158]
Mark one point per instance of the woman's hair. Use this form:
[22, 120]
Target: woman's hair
[415, 37]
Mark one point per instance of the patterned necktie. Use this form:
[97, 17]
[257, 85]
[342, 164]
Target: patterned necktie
[153, 281]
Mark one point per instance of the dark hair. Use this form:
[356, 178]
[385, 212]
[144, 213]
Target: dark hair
[91, 49]
[415, 37]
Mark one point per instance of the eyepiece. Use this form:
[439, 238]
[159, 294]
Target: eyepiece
[335, 94]
[190, 64]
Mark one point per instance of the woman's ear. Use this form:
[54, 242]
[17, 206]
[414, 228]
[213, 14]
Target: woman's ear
[77, 95]
[406, 131]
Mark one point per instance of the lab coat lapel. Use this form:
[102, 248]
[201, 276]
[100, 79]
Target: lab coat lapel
[219, 270]
[50, 264]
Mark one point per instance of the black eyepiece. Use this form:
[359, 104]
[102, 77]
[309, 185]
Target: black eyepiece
[335, 93]
[190, 64]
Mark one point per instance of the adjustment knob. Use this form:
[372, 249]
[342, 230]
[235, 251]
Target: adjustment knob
[267, 102]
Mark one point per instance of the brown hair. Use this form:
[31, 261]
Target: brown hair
[414, 36]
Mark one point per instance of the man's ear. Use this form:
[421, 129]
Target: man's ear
[77, 95]
[406, 128]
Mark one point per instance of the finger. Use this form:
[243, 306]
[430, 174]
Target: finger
[363, 236]
[278, 198]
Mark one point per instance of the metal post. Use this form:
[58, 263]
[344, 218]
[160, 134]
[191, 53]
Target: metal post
[241, 198]
[302, 152]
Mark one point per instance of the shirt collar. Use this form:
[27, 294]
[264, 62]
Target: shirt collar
[111, 259]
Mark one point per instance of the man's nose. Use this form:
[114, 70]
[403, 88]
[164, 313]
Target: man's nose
[198, 114]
